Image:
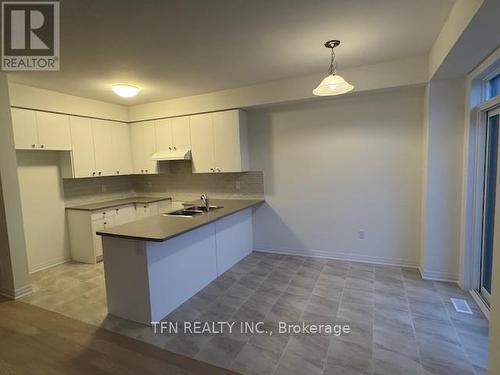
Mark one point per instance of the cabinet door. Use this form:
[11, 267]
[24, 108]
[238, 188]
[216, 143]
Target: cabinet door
[202, 143]
[227, 141]
[142, 211]
[82, 145]
[180, 132]
[53, 131]
[97, 225]
[124, 214]
[122, 153]
[143, 147]
[102, 132]
[163, 135]
[25, 130]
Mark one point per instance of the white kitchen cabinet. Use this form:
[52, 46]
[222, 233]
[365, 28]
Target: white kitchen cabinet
[99, 148]
[164, 140]
[36, 130]
[25, 129]
[102, 132]
[82, 144]
[173, 134]
[143, 147]
[219, 142]
[144, 210]
[53, 131]
[97, 225]
[86, 245]
[230, 141]
[124, 215]
[121, 148]
[202, 144]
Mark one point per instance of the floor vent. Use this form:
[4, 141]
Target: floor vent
[461, 305]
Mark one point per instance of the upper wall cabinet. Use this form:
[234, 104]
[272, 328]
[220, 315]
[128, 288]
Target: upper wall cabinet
[122, 148]
[219, 142]
[143, 147]
[99, 148]
[35, 130]
[82, 143]
[173, 134]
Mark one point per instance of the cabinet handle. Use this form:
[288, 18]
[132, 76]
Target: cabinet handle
[213, 170]
[218, 169]
[42, 145]
[117, 209]
[170, 148]
[93, 173]
[33, 145]
[146, 171]
[142, 170]
[117, 172]
[99, 173]
[175, 148]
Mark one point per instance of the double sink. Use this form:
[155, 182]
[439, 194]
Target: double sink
[193, 210]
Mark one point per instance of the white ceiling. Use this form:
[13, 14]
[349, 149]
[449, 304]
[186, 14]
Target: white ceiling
[174, 48]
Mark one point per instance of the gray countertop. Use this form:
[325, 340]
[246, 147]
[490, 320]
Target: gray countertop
[116, 202]
[160, 228]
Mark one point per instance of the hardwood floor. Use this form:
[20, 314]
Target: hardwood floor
[36, 341]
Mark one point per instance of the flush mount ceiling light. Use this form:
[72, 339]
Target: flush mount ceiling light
[332, 84]
[125, 91]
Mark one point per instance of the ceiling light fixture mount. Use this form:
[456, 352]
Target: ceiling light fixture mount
[332, 84]
[125, 90]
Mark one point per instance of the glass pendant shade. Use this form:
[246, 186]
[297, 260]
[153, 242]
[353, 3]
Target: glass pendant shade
[333, 84]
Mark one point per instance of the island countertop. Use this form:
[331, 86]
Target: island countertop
[162, 227]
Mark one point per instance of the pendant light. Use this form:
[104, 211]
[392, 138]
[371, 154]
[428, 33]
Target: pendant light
[332, 84]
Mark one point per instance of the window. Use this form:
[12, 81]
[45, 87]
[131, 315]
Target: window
[494, 86]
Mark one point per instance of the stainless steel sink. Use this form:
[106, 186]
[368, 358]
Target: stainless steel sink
[203, 208]
[191, 211]
[185, 212]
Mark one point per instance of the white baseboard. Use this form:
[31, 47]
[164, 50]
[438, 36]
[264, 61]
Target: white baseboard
[16, 294]
[349, 257]
[482, 305]
[49, 264]
[439, 276]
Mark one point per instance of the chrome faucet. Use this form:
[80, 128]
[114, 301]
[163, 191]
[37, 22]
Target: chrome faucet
[204, 198]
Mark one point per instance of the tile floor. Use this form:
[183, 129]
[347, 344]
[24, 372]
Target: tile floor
[400, 323]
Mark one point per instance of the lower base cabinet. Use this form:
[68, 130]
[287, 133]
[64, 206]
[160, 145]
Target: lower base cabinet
[86, 245]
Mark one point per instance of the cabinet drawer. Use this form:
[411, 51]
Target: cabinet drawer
[99, 215]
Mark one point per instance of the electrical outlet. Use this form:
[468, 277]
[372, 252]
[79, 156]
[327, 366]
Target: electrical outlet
[103, 188]
[238, 185]
[361, 234]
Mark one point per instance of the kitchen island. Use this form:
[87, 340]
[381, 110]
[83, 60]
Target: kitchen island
[154, 265]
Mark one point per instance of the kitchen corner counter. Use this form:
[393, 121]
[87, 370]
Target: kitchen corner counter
[117, 202]
[160, 228]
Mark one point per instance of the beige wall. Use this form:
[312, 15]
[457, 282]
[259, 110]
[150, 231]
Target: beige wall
[15, 278]
[443, 174]
[43, 208]
[47, 100]
[390, 74]
[336, 166]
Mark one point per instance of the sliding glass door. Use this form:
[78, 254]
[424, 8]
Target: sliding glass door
[491, 193]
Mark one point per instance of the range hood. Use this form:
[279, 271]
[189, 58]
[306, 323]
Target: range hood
[175, 154]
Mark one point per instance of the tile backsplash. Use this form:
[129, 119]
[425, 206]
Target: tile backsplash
[182, 184]
[176, 180]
